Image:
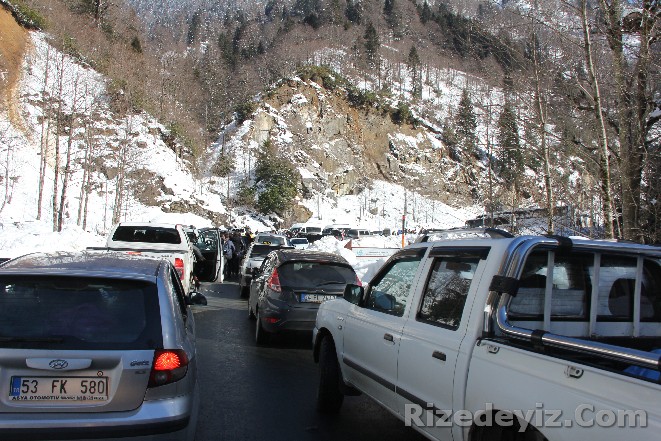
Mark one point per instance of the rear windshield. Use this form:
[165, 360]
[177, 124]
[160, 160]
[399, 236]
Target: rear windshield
[78, 313]
[147, 234]
[298, 241]
[262, 250]
[315, 273]
[271, 240]
[313, 230]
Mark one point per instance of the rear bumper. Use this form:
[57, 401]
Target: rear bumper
[289, 318]
[154, 420]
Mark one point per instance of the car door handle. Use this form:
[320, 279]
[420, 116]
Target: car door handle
[388, 337]
[439, 355]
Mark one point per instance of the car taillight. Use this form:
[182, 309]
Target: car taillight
[169, 365]
[358, 282]
[274, 281]
[179, 266]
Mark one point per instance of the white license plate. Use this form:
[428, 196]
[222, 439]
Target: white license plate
[316, 298]
[58, 389]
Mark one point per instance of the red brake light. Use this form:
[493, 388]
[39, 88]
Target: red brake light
[167, 361]
[179, 266]
[274, 281]
[169, 365]
[358, 282]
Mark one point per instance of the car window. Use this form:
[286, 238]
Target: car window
[260, 250]
[447, 288]
[390, 291]
[146, 234]
[300, 274]
[208, 241]
[571, 286]
[617, 284]
[79, 313]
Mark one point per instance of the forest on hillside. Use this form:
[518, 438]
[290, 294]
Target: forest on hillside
[581, 77]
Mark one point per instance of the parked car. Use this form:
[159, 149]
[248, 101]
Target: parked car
[251, 262]
[311, 233]
[96, 345]
[286, 291]
[272, 239]
[356, 233]
[497, 328]
[300, 243]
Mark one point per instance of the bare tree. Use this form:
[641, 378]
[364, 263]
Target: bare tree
[634, 94]
[43, 139]
[594, 94]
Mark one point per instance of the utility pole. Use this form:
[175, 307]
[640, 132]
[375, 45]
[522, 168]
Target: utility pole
[404, 220]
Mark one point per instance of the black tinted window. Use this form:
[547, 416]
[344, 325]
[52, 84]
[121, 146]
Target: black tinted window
[315, 273]
[147, 234]
[446, 291]
[78, 313]
[262, 250]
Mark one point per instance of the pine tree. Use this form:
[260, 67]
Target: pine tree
[425, 13]
[413, 63]
[467, 125]
[276, 180]
[511, 156]
[371, 44]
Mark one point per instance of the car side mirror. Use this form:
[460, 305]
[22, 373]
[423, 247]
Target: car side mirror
[354, 294]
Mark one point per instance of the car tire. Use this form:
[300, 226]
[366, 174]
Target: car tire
[329, 394]
[261, 336]
[251, 314]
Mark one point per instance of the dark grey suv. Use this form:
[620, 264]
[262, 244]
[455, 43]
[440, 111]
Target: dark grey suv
[287, 290]
[95, 345]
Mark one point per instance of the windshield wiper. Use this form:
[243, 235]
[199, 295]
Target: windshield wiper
[31, 339]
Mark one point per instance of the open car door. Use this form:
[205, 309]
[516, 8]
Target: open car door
[208, 242]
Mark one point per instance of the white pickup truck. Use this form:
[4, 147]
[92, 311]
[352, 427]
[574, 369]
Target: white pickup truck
[163, 241]
[503, 338]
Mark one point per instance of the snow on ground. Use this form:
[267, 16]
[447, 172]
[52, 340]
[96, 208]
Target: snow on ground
[21, 232]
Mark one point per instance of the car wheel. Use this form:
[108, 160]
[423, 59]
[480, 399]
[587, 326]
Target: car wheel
[329, 395]
[251, 314]
[261, 336]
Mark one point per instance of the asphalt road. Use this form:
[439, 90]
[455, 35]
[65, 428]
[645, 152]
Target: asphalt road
[251, 392]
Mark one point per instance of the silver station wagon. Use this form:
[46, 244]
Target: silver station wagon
[95, 346]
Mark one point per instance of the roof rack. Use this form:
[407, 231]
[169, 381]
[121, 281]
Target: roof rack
[463, 233]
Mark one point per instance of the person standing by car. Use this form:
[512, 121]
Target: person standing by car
[228, 251]
[239, 252]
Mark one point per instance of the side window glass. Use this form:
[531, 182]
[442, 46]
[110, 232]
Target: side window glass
[178, 292]
[617, 283]
[208, 241]
[446, 291]
[390, 292]
[571, 286]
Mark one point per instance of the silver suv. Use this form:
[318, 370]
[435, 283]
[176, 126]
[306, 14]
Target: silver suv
[95, 345]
